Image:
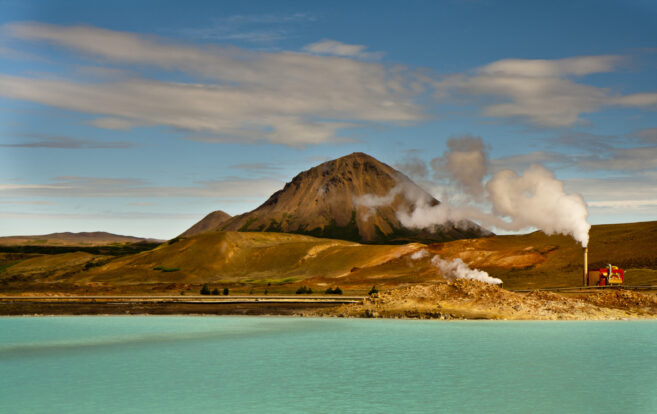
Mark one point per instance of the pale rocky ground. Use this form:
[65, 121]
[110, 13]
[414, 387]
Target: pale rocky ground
[469, 299]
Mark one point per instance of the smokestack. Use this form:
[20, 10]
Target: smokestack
[586, 266]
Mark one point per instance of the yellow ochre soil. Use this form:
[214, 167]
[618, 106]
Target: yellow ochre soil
[469, 299]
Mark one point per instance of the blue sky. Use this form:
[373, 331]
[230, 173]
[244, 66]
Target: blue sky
[140, 117]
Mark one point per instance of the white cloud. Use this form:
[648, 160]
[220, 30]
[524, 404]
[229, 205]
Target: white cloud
[296, 98]
[47, 141]
[333, 47]
[621, 159]
[541, 68]
[620, 188]
[285, 97]
[637, 99]
[541, 91]
[626, 204]
[241, 188]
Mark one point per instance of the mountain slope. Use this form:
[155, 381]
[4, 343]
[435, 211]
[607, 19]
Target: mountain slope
[323, 202]
[210, 222]
[253, 258]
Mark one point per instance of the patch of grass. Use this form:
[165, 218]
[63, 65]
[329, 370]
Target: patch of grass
[166, 269]
[246, 225]
[6, 266]
[274, 226]
[334, 231]
[106, 250]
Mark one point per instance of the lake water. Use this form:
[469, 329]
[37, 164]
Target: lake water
[282, 365]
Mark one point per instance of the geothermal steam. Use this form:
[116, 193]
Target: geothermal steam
[457, 269]
[508, 201]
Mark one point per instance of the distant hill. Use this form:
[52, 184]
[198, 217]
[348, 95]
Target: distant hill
[322, 202]
[212, 221]
[97, 238]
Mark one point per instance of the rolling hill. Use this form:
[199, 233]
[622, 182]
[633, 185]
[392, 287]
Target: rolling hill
[96, 238]
[281, 262]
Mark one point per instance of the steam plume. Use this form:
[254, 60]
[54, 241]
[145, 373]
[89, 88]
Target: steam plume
[420, 254]
[466, 163]
[457, 269]
[534, 198]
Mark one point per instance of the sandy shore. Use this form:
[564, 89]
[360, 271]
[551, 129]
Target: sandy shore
[149, 307]
[469, 299]
[460, 299]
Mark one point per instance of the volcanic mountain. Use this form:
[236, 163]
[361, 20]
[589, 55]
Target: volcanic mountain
[324, 202]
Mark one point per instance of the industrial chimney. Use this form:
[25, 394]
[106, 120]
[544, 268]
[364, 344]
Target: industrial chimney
[586, 266]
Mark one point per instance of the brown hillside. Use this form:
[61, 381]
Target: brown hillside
[321, 202]
[251, 257]
[536, 260]
[96, 238]
[281, 262]
[210, 222]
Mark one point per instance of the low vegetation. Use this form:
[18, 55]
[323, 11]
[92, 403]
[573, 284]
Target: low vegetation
[107, 250]
[166, 269]
[304, 290]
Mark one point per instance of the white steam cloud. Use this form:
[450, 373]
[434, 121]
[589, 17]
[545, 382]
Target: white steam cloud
[457, 269]
[537, 199]
[420, 254]
[466, 162]
[508, 201]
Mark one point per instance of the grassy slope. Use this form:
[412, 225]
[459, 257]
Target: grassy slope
[72, 239]
[245, 257]
[48, 268]
[525, 261]
[538, 260]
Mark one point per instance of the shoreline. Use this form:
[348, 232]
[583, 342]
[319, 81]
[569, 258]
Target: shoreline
[455, 300]
[90, 308]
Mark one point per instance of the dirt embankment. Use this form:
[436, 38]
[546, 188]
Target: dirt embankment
[469, 299]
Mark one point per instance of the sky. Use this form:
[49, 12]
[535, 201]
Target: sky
[140, 117]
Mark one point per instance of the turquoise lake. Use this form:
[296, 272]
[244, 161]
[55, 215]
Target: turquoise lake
[280, 365]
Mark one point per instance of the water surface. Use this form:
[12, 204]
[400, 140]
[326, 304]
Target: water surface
[281, 365]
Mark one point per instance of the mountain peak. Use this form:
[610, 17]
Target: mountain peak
[210, 222]
[323, 201]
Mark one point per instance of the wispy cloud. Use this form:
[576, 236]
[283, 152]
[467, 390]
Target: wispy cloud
[72, 186]
[254, 28]
[28, 202]
[287, 97]
[47, 141]
[297, 98]
[636, 189]
[333, 47]
[258, 167]
[648, 135]
[544, 92]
